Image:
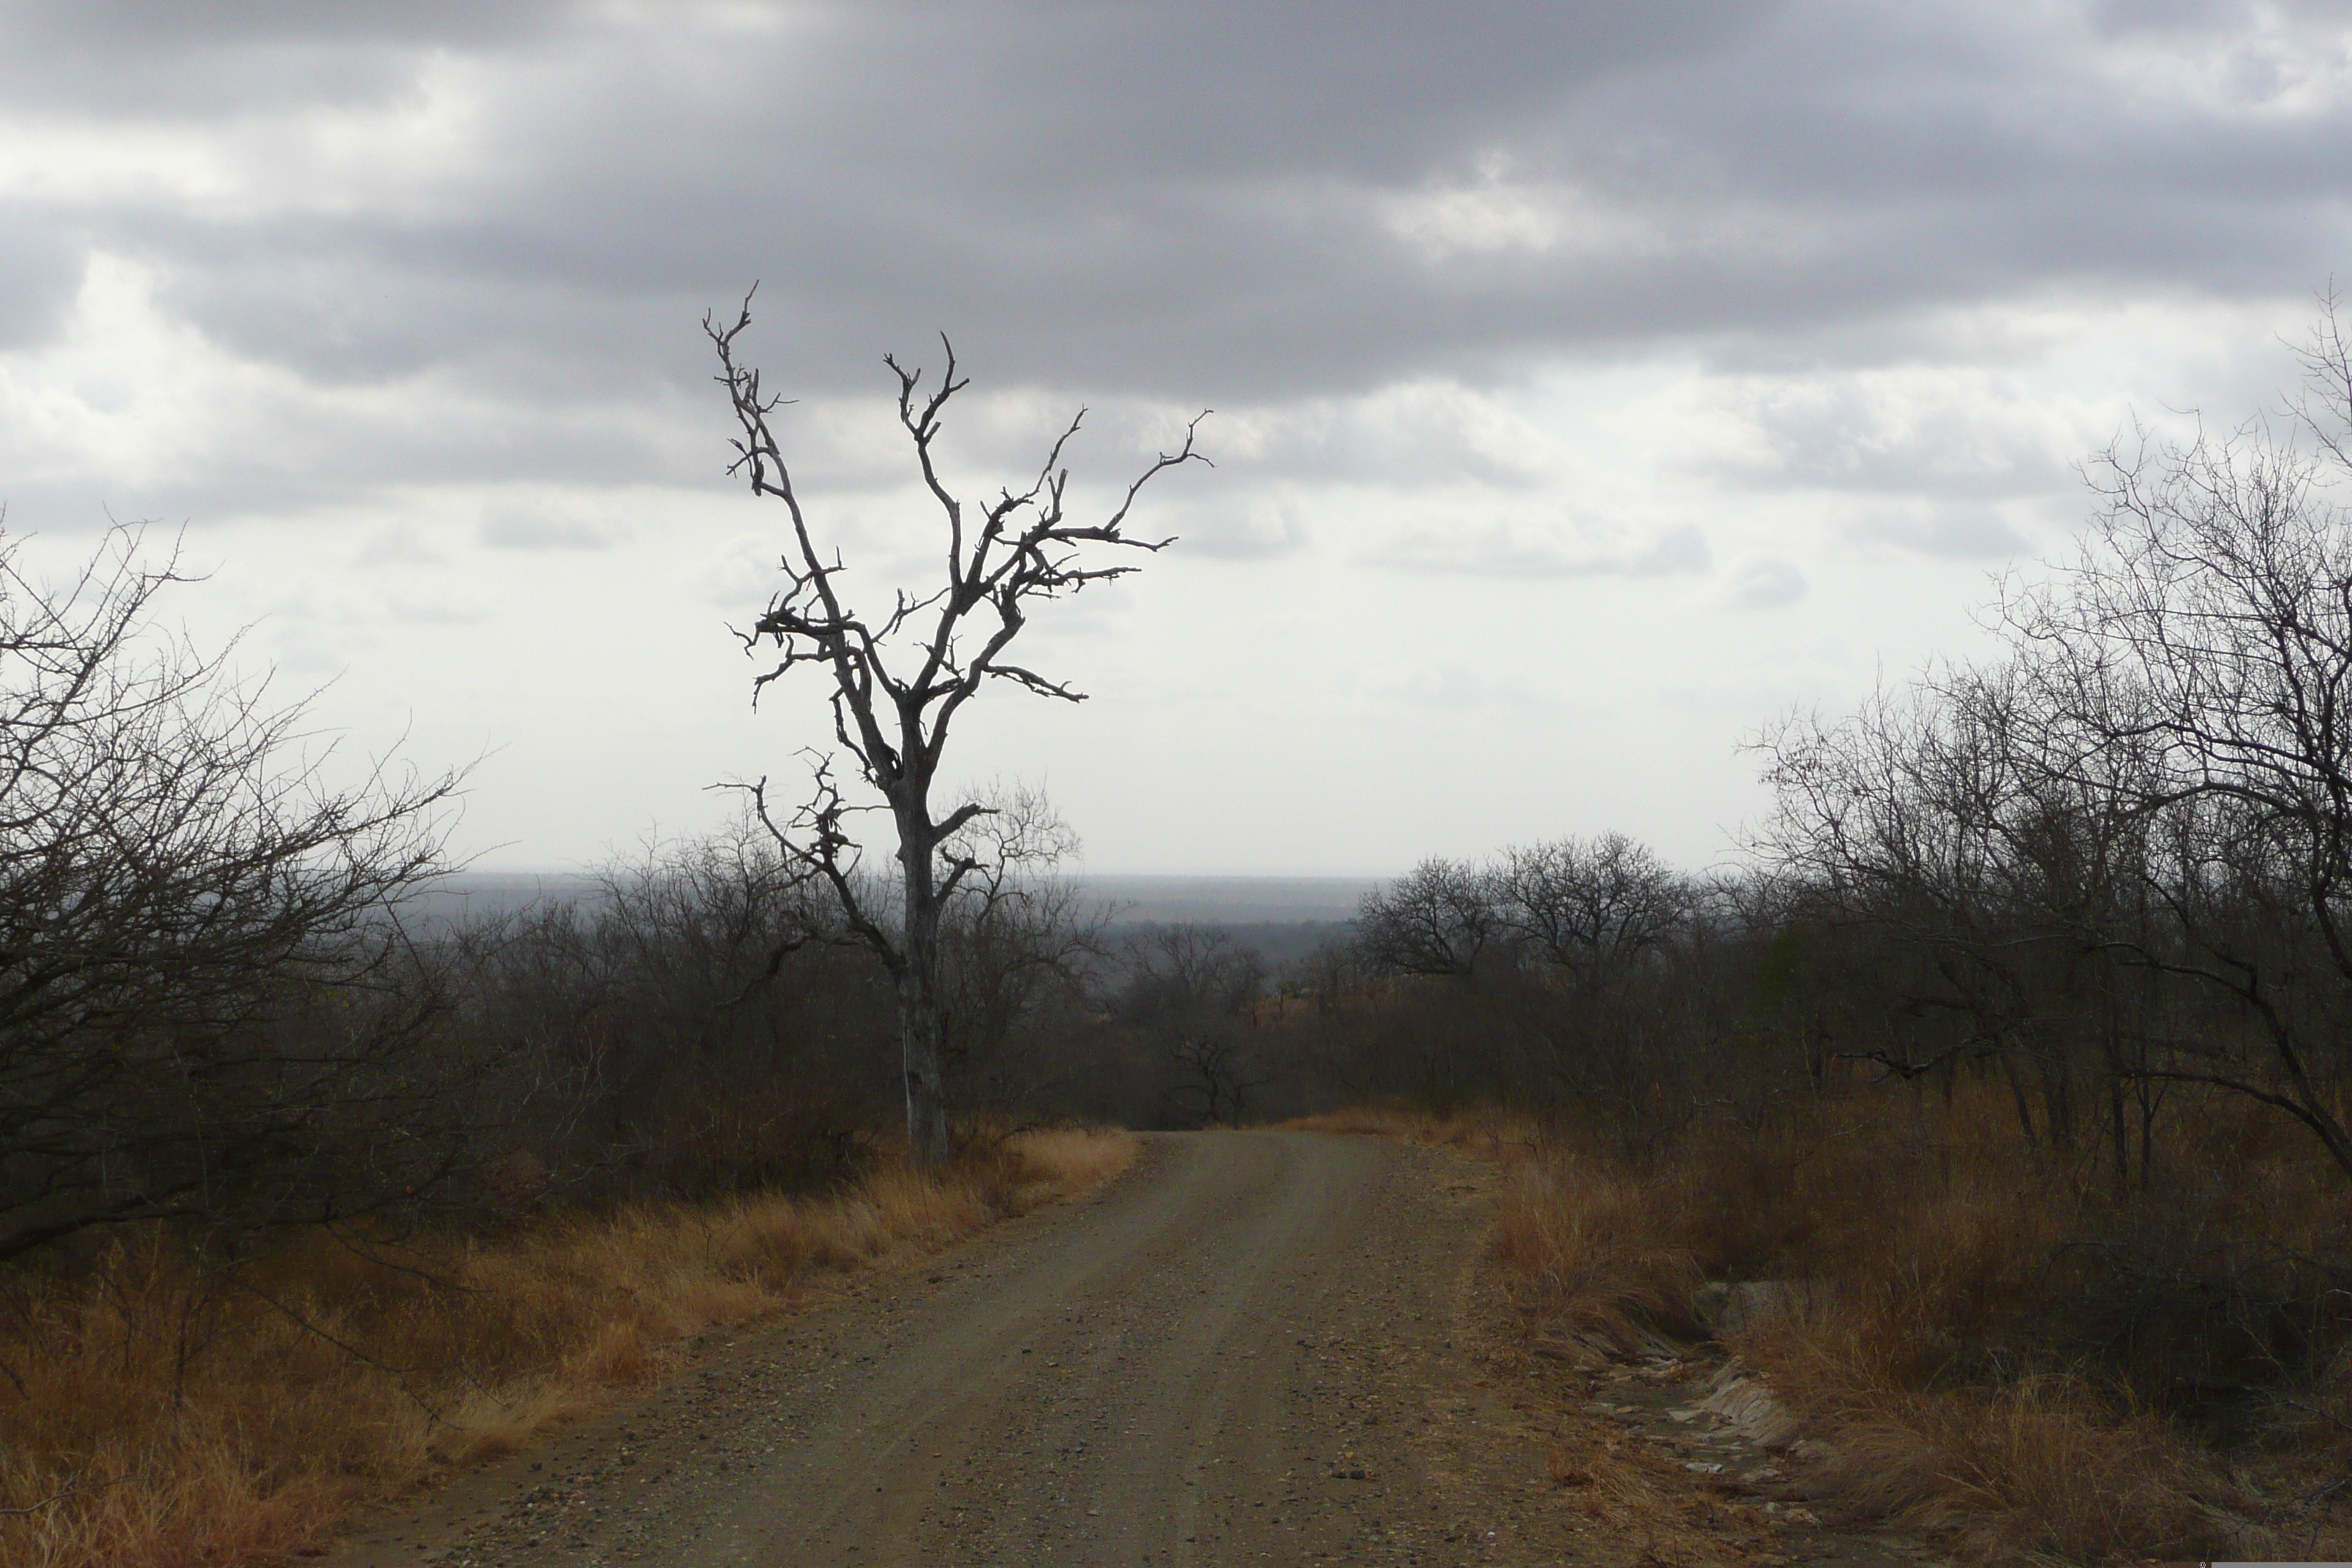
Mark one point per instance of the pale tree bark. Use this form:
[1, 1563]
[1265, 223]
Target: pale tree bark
[900, 678]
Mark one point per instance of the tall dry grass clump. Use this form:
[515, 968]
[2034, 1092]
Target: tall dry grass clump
[1582, 1250]
[2043, 1463]
[163, 1407]
[1577, 1239]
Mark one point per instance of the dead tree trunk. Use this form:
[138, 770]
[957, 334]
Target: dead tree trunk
[919, 1009]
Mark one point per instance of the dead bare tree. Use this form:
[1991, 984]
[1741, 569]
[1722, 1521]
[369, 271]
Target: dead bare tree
[1592, 909]
[1439, 920]
[900, 679]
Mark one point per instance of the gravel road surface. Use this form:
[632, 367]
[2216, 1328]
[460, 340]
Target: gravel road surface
[1240, 1350]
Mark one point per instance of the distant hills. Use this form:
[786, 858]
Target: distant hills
[1242, 903]
[1230, 901]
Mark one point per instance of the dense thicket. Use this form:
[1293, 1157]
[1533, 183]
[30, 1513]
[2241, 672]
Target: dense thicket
[705, 1024]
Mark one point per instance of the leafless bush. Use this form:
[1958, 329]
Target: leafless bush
[700, 1025]
[2120, 860]
[208, 1009]
[1541, 976]
[1593, 910]
[1019, 948]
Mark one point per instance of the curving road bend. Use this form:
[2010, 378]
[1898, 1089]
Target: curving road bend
[1234, 1353]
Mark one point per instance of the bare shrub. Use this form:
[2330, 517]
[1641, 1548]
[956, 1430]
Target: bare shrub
[208, 1009]
[1440, 919]
[1192, 994]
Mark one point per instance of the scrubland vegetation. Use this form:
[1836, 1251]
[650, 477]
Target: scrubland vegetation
[1984, 1340]
[1987, 1341]
[2015, 1045]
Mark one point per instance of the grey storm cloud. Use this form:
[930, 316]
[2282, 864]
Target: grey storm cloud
[146, 59]
[1197, 202]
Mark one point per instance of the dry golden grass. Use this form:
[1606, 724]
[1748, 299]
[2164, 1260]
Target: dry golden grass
[2043, 1466]
[1647, 1507]
[1930, 1361]
[168, 1414]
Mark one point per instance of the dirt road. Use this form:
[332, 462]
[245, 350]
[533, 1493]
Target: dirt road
[1240, 1350]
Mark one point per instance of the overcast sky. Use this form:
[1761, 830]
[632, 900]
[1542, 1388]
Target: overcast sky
[1592, 380]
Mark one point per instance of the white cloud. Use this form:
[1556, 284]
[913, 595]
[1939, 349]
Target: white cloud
[1497, 211]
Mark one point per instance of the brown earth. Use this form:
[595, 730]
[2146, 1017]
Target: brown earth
[1252, 1347]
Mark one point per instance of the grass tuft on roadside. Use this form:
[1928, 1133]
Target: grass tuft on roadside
[163, 1407]
[2046, 1465]
[1580, 1251]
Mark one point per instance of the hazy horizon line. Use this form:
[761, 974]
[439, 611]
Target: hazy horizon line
[477, 870]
